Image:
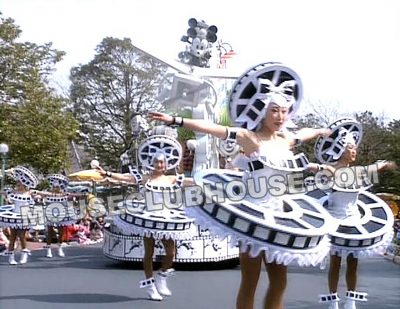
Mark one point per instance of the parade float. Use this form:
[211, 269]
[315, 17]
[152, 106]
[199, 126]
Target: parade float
[190, 88]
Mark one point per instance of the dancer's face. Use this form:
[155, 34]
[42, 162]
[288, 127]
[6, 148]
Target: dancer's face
[350, 153]
[57, 189]
[159, 165]
[19, 186]
[275, 117]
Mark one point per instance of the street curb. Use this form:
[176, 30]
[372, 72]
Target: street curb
[394, 258]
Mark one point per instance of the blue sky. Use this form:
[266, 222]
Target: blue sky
[346, 52]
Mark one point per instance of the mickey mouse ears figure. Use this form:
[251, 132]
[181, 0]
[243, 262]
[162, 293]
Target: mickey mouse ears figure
[200, 36]
[344, 131]
[25, 176]
[58, 180]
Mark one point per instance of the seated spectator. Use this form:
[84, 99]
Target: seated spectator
[96, 229]
[80, 232]
[3, 242]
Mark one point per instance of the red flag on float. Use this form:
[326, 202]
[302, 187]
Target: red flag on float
[228, 55]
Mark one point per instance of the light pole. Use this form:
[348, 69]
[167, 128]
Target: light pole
[3, 152]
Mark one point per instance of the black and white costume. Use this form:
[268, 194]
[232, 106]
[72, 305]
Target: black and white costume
[364, 221]
[16, 215]
[59, 212]
[287, 227]
[149, 216]
[20, 214]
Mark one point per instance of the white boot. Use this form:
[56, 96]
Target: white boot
[151, 289]
[352, 297]
[331, 299]
[61, 251]
[11, 258]
[161, 281]
[48, 251]
[24, 256]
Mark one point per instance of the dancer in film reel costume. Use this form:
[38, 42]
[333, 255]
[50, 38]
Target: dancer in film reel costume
[11, 216]
[57, 200]
[152, 217]
[364, 220]
[276, 228]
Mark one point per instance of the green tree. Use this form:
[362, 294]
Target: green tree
[390, 180]
[22, 63]
[119, 83]
[34, 121]
[309, 121]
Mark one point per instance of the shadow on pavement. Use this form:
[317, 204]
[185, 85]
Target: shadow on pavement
[75, 298]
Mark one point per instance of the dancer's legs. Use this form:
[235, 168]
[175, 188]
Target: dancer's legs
[351, 273]
[169, 247]
[21, 234]
[277, 275]
[13, 237]
[250, 273]
[149, 243]
[334, 273]
[50, 233]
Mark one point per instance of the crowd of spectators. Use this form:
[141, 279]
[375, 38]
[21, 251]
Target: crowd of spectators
[85, 231]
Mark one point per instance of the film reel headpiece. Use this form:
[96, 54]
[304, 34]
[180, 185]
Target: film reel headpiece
[58, 180]
[344, 131]
[261, 85]
[160, 146]
[25, 176]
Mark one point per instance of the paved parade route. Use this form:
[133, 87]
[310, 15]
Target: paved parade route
[87, 279]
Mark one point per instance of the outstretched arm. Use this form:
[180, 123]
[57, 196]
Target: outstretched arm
[188, 182]
[116, 176]
[384, 165]
[306, 134]
[197, 125]
[315, 168]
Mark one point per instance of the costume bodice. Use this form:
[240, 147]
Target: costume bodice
[342, 202]
[61, 199]
[267, 167]
[157, 189]
[20, 199]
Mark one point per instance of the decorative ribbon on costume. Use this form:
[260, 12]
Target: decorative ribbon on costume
[272, 92]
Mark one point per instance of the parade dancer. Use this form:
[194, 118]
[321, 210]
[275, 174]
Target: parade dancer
[364, 221]
[274, 228]
[10, 215]
[58, 199]
[155, 219]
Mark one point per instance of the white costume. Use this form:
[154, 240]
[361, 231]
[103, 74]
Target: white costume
[58, 211]
[364, 221]
[19, 214]
[164, 223]
[150, 216]
[286, 227]
[11, 215]
[63, 213]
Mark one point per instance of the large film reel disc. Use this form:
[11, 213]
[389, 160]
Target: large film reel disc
[300, 227]
[25, 176]
[166, 145]
[167, 223]
[344, 130]
[372, 229]
[249, 98]
[58, 180]
[16, 220]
